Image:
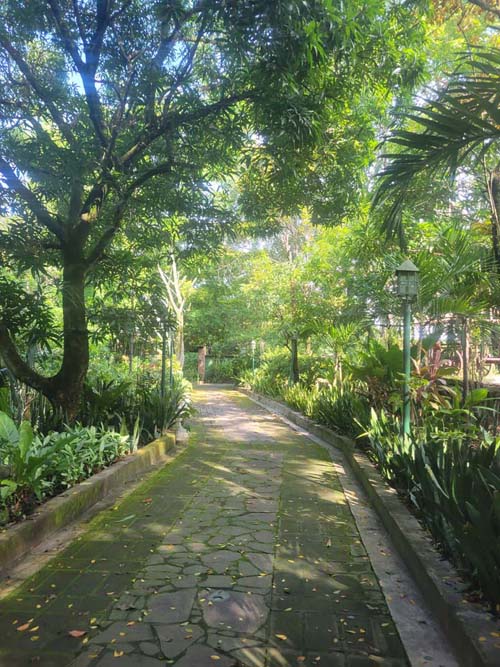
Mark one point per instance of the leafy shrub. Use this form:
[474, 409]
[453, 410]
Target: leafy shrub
[342, 409]
[226, 369]
[380, 369]
[301, 398]
[125, 405]
[159, 413]
[34, 467]
[79, 452]
[23, 458]
[454, 483]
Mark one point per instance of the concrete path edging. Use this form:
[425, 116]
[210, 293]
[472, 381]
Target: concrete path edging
[474, 636]
[17, 540]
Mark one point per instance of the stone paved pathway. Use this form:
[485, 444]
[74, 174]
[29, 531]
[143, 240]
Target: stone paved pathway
[241, 553]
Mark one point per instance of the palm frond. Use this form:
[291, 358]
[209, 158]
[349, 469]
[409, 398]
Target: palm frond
[460, 122]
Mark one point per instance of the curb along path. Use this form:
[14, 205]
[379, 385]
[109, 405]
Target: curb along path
[242, 552]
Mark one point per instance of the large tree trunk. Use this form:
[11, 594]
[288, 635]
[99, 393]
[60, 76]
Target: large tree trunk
[66, 387]
[64, 390]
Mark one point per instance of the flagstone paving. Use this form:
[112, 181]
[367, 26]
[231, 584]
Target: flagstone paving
[242, 552]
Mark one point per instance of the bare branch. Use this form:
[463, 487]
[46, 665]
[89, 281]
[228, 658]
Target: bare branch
[30, 199]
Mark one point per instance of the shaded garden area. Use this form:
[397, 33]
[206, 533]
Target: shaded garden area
[222, 192]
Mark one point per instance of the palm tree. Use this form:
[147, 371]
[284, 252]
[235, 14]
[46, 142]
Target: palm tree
[458, 124]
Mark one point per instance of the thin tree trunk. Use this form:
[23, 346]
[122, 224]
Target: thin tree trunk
[465, 359]
[494, 196]
[294, 374]
[202, 354]
[180, 340]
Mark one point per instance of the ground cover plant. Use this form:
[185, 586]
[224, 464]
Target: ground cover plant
[35, 467]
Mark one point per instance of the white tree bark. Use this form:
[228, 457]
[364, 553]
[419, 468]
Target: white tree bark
[178, 288]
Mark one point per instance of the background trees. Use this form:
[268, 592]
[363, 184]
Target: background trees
[112, 109]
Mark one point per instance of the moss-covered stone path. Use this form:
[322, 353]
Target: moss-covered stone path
[242, 552]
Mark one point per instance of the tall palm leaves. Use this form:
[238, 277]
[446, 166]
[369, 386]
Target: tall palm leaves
[455, 278]
[460, 122]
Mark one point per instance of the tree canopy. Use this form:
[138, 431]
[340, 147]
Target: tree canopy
[111, 110]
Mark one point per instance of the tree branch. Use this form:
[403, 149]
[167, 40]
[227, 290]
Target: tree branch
[31, 78]
[16, 364]
[86, 70]
[162, 168]
[24, 193]
[209, 109]
[185, 68]
[109, 233]
[78, 18]
[486, 6]
[176, 120]
[107, 236]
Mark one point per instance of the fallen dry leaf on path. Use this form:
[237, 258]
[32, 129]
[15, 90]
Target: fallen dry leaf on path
[77, 633]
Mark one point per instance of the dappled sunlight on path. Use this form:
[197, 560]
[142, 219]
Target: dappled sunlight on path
[242, 552]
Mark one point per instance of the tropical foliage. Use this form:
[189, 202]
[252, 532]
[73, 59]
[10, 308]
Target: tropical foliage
[36, 467]
[242, 179]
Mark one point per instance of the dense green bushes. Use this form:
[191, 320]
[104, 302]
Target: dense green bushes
[120, 410]
[123, 403]
[218, 369]
[453, 481]
[341, 408]
[271, 377]
[35, 467]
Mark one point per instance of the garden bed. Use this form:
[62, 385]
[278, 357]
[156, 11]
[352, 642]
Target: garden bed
[17, 539]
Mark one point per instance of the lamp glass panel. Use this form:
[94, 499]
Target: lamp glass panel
[407, 283]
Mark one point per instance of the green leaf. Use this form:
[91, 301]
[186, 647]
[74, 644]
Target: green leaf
[8, 430]
[476, 396]
[26, 436]
[7, 488]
